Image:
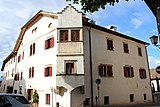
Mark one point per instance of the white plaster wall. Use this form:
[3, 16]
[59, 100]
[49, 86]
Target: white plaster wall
[69, 18]
[118, 87]
[41, 59]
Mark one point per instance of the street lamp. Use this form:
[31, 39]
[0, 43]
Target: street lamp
[154, 40]
[98, 82]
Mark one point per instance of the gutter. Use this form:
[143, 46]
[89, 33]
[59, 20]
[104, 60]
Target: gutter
[91, 74]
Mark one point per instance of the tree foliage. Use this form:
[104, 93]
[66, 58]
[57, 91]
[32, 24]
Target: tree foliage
[94, 5]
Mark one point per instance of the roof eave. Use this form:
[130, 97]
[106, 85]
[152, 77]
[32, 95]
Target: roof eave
[113, 32]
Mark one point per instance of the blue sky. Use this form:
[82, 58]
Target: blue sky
[132, 18]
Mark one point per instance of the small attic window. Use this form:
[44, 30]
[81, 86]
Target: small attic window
[50, 25]
[34, 30]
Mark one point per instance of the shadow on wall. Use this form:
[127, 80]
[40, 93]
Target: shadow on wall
[15, 85]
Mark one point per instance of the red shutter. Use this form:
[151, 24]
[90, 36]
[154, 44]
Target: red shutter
[140, 73]
[100, 70]
[44, 72]
[52, 42]
[125, 72]
[30, 50]
[50, 71]
[145, 73]
[46, 44]
[32, 71]
[132, 72]
[34, 46]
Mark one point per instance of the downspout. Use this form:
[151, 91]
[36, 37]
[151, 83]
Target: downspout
[90, 57]
[149, 73]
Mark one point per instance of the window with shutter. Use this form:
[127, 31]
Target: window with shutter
[46, 44]
[74, 35]
[128, 71]
[63, 35]
[34, 48]
[139, 51]
[70, 68]
[100, 70]
[32, 72]
[125, 46]
[44, 72]
[30, 50]
[48, 99]
[49, 43]
[109, 71]
[50, 71]
[109, 44]
[142, 73]
[52, 42]
[105, 70]
[21, 75]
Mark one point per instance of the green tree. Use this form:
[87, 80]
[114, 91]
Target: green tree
[94, 5]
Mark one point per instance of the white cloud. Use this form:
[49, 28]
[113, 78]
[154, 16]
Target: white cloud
[136, 22]
[153, 61]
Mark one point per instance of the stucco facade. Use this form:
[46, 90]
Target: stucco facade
[71, 50]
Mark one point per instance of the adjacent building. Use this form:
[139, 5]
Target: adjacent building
[72, 62]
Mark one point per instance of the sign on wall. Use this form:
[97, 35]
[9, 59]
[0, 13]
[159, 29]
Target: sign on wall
[158, 69]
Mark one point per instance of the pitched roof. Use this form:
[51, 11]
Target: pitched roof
[31, 22]
[86, 23]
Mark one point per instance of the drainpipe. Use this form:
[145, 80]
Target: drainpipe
[90, 57]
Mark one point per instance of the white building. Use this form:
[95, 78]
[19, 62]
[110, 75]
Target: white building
[61, 55]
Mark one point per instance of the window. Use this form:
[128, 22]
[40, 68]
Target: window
[21, 99]
[50, 25]
[139, 51]
[74, 35]
[48, 71]
[48, 99]
[49, 43]
[63, 35]
[71, 67]
[34, 30]
[131, 97]
[23, 55]
[32, 49]
[87, 101]
[12, 72]
[31, 72]
[109, 44]
[19, 58]
[4, 102]
[106, 100]
[128, 72]
[105, 71]
[16, 77]
[21, 75]
[125, 47]
[142, 73]
[145, 96]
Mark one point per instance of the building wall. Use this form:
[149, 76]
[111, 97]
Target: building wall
[40, 60]
[117, 87]
[77, 87]
[70, 51]
[7, 74]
